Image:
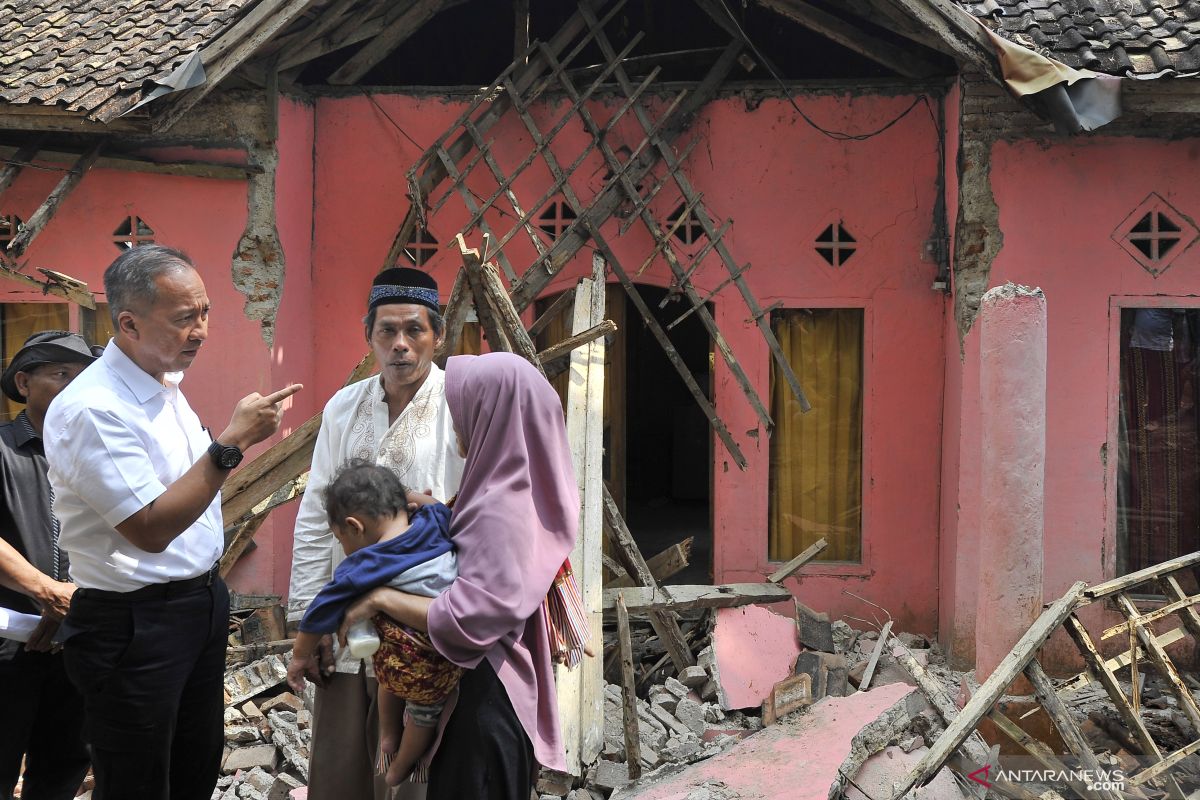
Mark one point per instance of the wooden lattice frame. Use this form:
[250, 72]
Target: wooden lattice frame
[464, 151]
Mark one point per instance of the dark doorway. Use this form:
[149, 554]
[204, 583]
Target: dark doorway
[668, 458]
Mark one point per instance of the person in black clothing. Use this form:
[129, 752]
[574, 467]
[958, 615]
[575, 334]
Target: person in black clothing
[43, 713]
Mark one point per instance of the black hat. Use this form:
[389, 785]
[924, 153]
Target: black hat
[46, 347]
[404, 285]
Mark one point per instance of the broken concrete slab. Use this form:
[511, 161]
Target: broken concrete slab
[881, 770]
[797, 758]
[753, 649]
[814, 629]
[247, 758]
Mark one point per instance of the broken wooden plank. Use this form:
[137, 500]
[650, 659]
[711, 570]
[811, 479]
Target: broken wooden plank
[74, 290]
[260, 479]
[973, 745]
[1152, 772]
[290, 491]
[229, 51]
[661, 140]
[865, 682]
[1064, 723]
[633, 750]
[1151, 616]
[485, 308]
[552, 312]
[578, 340]
[905, 61]
[393, 35]
[1119, 661]
[1189, 616]
[810, 552]
[662, 566]
[1131, 580]
[15, 160]
[282, 463]
[1160, 659]
[729, 595]
[45, 212]
[664, 622]
[581, 689]
[458, 307]
[992, 689]
[241, 540]
[1091, 656]
[612, 196]
[14, 157]
[662, 238]
[524, 72]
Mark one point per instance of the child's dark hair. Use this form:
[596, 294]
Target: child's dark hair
[366, 489]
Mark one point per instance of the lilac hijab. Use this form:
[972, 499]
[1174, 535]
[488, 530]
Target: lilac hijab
[514, 523]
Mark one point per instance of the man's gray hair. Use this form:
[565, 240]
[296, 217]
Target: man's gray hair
[130, 280]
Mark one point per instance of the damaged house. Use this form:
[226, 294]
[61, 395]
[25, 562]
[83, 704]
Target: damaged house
[821, 226]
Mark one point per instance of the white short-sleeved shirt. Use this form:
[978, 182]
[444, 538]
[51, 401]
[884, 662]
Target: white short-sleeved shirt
[115, 439]
[420, 446]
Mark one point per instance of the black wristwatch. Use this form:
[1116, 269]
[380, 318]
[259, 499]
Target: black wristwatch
[225, 456]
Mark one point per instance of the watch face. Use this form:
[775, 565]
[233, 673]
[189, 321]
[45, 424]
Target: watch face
[230, 457]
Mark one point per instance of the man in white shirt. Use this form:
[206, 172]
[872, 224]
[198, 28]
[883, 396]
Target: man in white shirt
[137, 491]
[399, 419]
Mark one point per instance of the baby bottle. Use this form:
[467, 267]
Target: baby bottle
[362, 639]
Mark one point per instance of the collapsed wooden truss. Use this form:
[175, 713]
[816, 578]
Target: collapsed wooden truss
[1144, 644]
[463, 153]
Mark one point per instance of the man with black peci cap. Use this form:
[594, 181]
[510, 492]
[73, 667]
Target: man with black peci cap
[43, 713]
[399, 419]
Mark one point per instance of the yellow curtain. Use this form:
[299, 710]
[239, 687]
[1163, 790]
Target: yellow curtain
[19, 321]
[96, 326]
[469, 343]
[816, 458]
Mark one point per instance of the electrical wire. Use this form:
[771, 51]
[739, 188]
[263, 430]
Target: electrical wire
[840, 136]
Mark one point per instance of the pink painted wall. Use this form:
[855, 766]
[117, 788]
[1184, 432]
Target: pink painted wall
[1059, 203]
[783, 183]
[268, 567]
[204, 217]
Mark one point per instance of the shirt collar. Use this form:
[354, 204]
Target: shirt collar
[23, 430]
[141, 383]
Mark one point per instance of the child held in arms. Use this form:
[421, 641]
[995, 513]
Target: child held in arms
[369, 516]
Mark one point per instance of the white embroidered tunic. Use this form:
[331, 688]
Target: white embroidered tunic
[420, 446]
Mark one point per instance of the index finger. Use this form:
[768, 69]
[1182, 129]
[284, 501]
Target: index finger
[283, 394]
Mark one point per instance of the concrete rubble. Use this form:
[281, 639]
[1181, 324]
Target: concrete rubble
[268, 733]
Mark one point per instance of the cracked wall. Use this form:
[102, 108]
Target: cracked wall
[258, 262]
[246, 120]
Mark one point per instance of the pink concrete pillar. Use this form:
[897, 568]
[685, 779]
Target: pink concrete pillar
[1012, 395]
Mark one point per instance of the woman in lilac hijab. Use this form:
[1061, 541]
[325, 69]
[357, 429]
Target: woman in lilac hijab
[514, 523]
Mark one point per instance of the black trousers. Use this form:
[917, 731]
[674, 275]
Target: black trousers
[485, 753]
[42, 722]
[150, 666]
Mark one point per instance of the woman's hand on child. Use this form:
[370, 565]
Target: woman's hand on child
[362, 608]
[418, 499]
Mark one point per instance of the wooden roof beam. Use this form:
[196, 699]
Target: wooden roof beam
[900, 60]
[884, 15]
[227, 53]
[958, 30]
[394, 34]
[45, 212]
[16, 162]
[369, 20]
